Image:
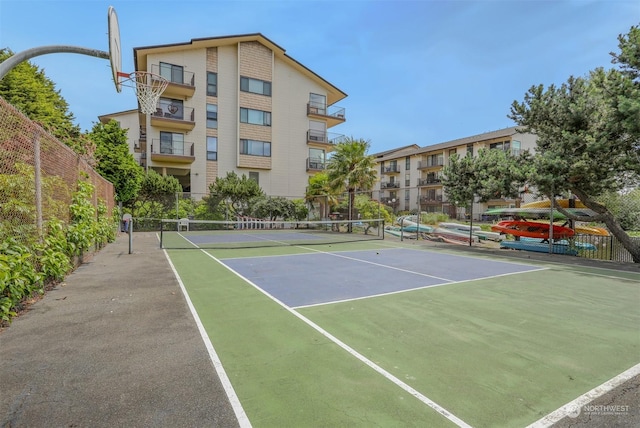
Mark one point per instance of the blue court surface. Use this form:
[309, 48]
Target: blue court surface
[321, 278]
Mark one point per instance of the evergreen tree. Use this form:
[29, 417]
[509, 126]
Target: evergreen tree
[27, 88]
[115, 162]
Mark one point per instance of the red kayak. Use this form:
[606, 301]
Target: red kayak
[531, 229]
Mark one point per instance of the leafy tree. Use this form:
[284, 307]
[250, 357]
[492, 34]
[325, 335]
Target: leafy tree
[460, 181]
[272, 208]
[320, 191]
[588, 135]
[490, 175]
[27, 88]
[157, 195]
[351, 168]
[625, 206]
[370, 209]
[300, 209]
[238, 191]
[115, 163]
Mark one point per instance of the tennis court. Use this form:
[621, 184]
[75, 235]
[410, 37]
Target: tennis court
[384, 333]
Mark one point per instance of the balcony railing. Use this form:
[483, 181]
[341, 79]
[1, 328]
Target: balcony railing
[173, 75]
[428, 181]
[430, 163]
[390, 185]
[430, 198]
[390, 169]
[175, 112]
[390, 201]
[159, 147]
[322, 137]
[332, 112]
[315, 164]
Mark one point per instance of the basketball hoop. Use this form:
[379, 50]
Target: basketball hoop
[149, 87]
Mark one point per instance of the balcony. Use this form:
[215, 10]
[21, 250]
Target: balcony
[181, 83]
[390, 185]
[332, 114]
[167, 151]
[391, 169]
[322, 137]
[316, 164]
[429, 181]
[393, 202]
[431, 199]
[174, 117]
[430, 163]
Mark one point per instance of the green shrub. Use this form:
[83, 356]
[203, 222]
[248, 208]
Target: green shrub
[54, 252]
[18, 277]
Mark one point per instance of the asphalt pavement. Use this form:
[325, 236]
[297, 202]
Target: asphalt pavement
[114, 345]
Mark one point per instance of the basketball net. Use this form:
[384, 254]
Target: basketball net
[149, 87]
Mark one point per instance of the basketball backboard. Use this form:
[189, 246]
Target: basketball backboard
[115, 54]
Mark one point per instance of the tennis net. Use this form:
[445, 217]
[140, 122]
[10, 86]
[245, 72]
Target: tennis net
[253, 233]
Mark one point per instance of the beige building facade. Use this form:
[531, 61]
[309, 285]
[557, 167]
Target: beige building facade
[409, 178]
[235, 103]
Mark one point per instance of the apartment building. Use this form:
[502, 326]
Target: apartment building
[234, 103]
[410, 177]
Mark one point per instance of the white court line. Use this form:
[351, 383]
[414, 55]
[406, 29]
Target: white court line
[435, 406]
[243, 420]
[377, 264]
[573, 408]
[451, 282]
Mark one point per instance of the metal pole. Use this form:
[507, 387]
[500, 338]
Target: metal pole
[131, 236]
[471, 223]
[552, 202]
[38, 184]
[8, 64]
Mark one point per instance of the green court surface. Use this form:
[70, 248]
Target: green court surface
[497, 352]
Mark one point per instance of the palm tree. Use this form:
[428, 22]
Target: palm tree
[319, 190]
[352, 169]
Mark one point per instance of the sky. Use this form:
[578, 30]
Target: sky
[416, 71]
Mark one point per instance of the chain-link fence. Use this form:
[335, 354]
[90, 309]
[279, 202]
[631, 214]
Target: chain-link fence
[38, 175]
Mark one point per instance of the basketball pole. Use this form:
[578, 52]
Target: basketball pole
[8, 64]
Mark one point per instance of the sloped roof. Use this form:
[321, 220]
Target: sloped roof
[506, 132]
[334, 94]
[395, 151]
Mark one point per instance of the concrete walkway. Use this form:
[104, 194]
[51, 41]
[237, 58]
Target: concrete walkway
[115, 345]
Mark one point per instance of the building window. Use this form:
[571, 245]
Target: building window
[170, 108]
[171, 143]
[212, 84]
[502, 145]
[407, 163]
[212, 148]
[255, 176]
[406, 194]
[173, 73]
[317, 104]
[407, 180]
[212, 116]
[316, 158]
[255, 148]
[470, 149]
[515, 147]
[435, 160]
[255, 117]
[255, 86]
